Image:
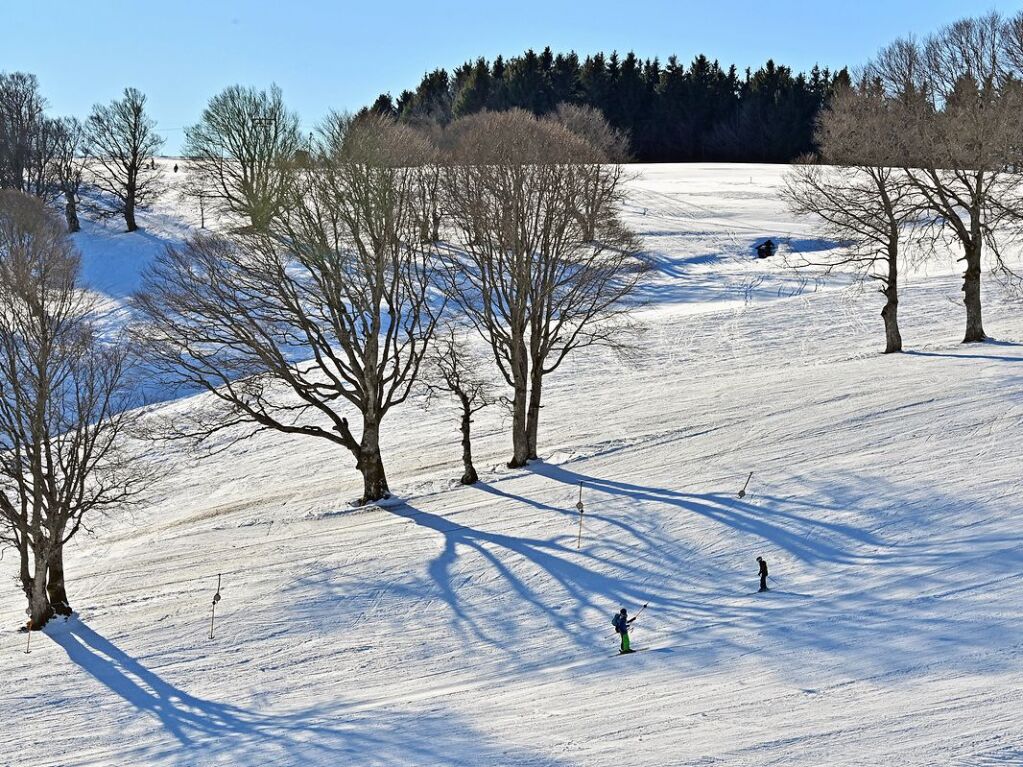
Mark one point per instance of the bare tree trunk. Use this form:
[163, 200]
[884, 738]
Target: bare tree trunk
[24, 573]
[890, 313]
[129, 211]
[520, 442]
[533, 415]
[71, 215]
[55, 584]
[589, 227]
[40, 610]
[370, 463]
[520, 438]
[435, 219]
[470, 477]
[971, 292]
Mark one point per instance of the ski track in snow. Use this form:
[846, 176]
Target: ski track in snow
[462, 626]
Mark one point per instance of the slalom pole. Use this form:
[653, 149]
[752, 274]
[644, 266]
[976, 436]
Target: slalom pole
[216, 598]
[580, 508]
[742, 493]
[28, 641]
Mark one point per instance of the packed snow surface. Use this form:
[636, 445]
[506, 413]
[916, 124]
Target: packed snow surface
[467, 626]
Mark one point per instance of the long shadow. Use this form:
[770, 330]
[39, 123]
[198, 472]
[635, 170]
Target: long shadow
[700, 611]
[555, 587]
[588, 579]
[203, 728]
[616, 569]
[926, 576]
[630, 529]
[950, 355]
[812, 540]
[182, 715]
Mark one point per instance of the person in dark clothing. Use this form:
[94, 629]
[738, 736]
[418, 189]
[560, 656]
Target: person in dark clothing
[763, 573]
[621, 623]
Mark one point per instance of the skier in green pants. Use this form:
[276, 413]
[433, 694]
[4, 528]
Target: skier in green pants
[621, 623]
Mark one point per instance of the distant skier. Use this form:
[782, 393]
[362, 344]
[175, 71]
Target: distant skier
[621, 623]
[763, 573]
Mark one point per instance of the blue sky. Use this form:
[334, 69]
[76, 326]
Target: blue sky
[340, 55]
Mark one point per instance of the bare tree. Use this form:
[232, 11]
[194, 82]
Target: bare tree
[41, 179]
[857, 198]
[343, 283]
[21, 112]
[69, 167]
[198, 187]
[64, 400]
[528, 276]
[244, 147]
[430, 197]
[591, 126]
[960, 134]
[38, 154]
[1013, 44]
[454, 369]
[123, 138]
[599, 195]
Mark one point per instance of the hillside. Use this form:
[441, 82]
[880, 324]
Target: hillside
[463, 625]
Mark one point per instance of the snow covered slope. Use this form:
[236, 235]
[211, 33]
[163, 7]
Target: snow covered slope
[464, 626]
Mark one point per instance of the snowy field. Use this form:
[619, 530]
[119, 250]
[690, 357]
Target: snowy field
[462, 626]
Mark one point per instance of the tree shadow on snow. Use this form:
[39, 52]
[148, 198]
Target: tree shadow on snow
[869, 573]
[969, 355]
[773, 520]
[573, 591]
[574, 583]
[204, 731]
[933, 600]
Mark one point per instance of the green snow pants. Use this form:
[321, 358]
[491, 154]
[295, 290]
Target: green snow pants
[625, 641]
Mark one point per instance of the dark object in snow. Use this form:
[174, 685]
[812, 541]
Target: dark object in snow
[582, 510]
[763, 573]
[216, 599]
[742, 493]
[766, 249]
[175, 167]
